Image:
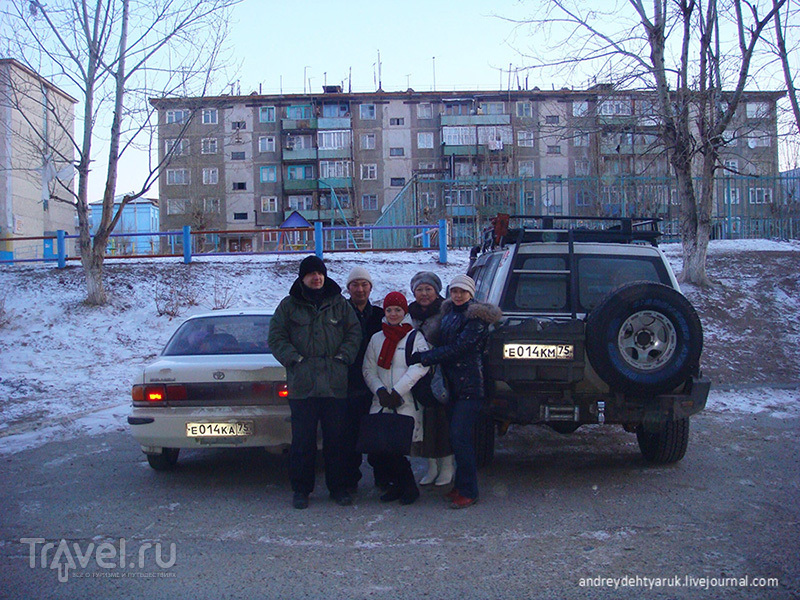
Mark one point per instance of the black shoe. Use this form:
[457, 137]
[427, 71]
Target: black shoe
[300, 500]
[352, 489]
[410, 495]
[342, 499]
[394, 493]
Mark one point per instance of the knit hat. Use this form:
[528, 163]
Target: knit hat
[429, 277]
[463, 282]
[358, 273]
[312, 263]
[395, 299]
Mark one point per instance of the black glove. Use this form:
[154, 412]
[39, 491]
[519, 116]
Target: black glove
[415, 359]
[340, 358]
[384, 397]
[395, 400]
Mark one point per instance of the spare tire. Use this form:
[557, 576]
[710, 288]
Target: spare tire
[644, 339]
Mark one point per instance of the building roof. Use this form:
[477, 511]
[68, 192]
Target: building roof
[18, 65]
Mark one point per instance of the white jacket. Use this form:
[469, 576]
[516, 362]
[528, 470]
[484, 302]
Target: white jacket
[400, 377]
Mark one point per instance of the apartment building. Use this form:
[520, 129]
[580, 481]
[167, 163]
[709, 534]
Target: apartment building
[36, 123]
[241, 162]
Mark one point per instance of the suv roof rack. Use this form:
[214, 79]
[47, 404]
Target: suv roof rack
[552, 228]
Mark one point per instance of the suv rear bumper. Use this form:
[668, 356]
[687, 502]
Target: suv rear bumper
[524, 407]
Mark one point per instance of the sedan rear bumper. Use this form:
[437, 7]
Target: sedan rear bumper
[165, 427]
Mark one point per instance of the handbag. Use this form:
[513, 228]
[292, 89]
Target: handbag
[385, 433]
[431, 389]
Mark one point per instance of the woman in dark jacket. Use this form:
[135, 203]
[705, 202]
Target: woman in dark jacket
[462, 337]
[426, 316]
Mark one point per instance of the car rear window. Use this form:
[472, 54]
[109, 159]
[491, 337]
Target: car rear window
[540, 283]
[226, 334]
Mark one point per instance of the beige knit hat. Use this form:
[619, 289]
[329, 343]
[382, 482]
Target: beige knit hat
[358, 273]
[463, 282]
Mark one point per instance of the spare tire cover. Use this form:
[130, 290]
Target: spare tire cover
[644, 339]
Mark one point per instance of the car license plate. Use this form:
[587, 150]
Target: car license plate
[538, 351]
[202, 430]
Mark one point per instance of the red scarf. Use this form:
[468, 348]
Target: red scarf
[393, 333]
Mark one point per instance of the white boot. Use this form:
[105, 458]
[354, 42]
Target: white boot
[446, 470]
[433, 471]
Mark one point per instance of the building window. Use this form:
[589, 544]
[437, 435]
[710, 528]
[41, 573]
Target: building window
[459, 136]
[369, 172]
[425, 139]
[333, 140]
[298, 142]
[176, 207]
[730, 195]
[301, 203]
[526, 168]
[459, 197]
[177, 116]
[238, 125]
[551, 119]
[730, 138]
[397, 121]
[237, 155]
[757, 110]
[334, 168]
[457, 108]
[240, 216]
[268, 173]
[581, 139]
[366, 111]
[208, 146]
[178, 147]
[269, 204]
[397, 181]
[615, 107]
[524, 110]
[760, 195]
[211, 176]
[731, 166]
[583, 197]
[427, 200]
[239, 186]
[424, 110]
[299, 112]
[758, 139]
[266, 144]
[209, 116]
[492, 108]
[369, 202]
[177, 176]
[581, 167]
[525, 138]
[211, 205]
[266, 114]
[300, 172]
[397, 152]
[367, 141]
[580, 108]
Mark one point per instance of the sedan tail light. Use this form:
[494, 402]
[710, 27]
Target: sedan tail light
[283, 390]
[157, 393]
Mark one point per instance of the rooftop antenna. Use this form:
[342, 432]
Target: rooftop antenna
[380, 82]
[324, 78]
[433, 60]
[408, 81]
[350, 81]
[280, 85]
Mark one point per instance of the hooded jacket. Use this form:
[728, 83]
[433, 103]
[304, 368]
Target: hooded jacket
[315, 341]
[462, 339]
[400, 377]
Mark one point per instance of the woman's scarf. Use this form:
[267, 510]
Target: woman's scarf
[393, 333]
[420, 313]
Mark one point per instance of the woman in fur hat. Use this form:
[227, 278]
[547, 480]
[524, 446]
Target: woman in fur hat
[462, 337]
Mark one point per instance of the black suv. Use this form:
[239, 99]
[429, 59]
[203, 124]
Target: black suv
[595, 331]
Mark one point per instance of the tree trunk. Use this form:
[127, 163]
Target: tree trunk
[93, 269]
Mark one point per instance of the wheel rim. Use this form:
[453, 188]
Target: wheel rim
[647, 340]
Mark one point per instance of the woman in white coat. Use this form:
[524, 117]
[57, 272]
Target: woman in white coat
[390, 379]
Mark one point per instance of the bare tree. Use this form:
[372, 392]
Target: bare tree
[112, 55]
[680, 50]
[783, 51]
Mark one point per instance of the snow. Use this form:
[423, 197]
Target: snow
[66, 368]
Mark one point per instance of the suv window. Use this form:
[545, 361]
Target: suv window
[483, 273]
[532, 288]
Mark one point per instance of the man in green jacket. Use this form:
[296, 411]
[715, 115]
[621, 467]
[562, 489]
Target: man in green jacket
[315, 334]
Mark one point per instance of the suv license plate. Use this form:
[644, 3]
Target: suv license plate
[203, 430]
[538, 351]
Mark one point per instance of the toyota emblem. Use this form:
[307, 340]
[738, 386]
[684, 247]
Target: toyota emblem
[219, 375]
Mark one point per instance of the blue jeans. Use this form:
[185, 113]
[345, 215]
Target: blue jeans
[331, 413]
[463, 412]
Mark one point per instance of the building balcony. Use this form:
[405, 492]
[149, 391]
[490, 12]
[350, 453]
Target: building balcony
[299, 123]
[323, 214]
[300, 154]
[335, 153]
[473, 150]
[476, 120]
[335, 182]
[461, 210]
[293, 185]
[333, 123]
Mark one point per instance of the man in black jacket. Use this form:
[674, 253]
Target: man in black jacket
[315, 334]
[359, 286]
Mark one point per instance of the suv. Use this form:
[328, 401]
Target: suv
[595, 331]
